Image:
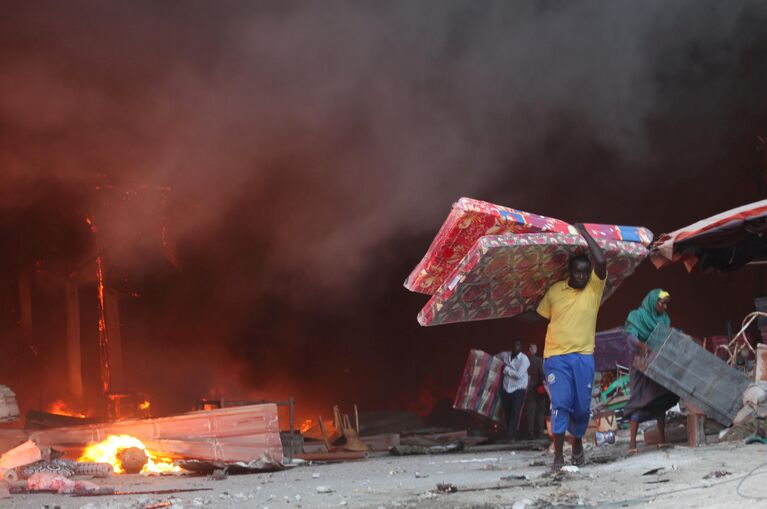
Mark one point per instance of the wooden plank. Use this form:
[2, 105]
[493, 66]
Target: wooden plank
[36, 420]
[696, 432]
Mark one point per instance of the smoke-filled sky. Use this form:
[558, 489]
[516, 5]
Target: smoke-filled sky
[303, 155]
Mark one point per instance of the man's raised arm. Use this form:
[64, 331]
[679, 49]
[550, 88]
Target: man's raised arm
[597, 255]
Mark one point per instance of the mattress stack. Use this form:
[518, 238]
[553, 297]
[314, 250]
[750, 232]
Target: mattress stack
[489, 261]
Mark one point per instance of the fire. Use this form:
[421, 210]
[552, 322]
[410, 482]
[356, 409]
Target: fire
[59, 407]
[107, 451]
[311, 428]
[145, 405]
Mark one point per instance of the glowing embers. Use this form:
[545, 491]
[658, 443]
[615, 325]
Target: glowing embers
[128, 454]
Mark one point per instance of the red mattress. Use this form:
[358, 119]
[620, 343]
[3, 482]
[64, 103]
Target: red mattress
[505, 275]
[470, 220]
[479, 391]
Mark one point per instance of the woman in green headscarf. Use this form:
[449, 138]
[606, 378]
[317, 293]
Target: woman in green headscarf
[648, 400]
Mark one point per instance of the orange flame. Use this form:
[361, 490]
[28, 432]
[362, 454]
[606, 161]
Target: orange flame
[107, 451]
[306, 425]
[311, 428]
[103, 336]
[60, 407]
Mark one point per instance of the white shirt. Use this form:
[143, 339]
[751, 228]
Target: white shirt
[514, 371]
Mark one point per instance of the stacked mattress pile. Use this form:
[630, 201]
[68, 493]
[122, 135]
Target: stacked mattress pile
[489, 261]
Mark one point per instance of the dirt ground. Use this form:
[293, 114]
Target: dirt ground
[483, 480]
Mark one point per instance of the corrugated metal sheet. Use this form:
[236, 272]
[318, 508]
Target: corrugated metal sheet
[682, 366]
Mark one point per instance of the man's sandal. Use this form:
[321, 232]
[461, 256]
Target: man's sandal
[578, 459]
[665, 446]
[632, 452]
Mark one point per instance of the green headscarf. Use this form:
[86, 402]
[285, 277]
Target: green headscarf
[642, 321]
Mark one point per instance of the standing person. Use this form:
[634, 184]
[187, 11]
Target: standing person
[535, 405]
[648, 400]
[514, 386]
[571, 306]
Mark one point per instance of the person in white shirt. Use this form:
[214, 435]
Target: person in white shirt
[515, 364]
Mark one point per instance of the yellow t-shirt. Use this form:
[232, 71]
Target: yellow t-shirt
[572, 317]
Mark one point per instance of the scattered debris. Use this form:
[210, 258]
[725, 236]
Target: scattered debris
[514, 477]
[419, 475]
[324, 489]
[446, 488]
[570, 469]
[654, 471]
[716, 474]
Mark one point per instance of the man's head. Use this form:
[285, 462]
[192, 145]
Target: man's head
[517, 346]
[533, 349]
[579, 268]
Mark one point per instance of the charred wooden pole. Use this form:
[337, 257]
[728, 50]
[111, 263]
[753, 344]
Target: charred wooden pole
[115, 351]
[74, 358]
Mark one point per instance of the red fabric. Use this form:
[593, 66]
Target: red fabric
[664, 252]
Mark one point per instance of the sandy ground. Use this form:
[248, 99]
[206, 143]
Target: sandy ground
[386, 482]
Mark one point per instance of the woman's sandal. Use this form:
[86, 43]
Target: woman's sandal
[578, 459]
[665, 446]
[632, 452]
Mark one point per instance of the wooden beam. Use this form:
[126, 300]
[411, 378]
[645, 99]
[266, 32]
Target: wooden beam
[74, 357]
[112, 317]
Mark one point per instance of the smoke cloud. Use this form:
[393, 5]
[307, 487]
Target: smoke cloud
[302, 154]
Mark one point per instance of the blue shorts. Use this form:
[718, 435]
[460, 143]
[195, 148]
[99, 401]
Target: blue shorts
[569, 378]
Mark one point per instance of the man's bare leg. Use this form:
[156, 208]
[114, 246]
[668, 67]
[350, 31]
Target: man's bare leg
[559, 456]
[578, 457]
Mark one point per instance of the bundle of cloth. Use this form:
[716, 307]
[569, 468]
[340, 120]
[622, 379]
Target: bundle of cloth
[489, 261]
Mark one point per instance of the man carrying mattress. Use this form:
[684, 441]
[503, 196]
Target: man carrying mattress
[571, 307]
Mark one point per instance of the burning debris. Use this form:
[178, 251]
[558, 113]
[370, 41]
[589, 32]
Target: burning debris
[128, 454]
